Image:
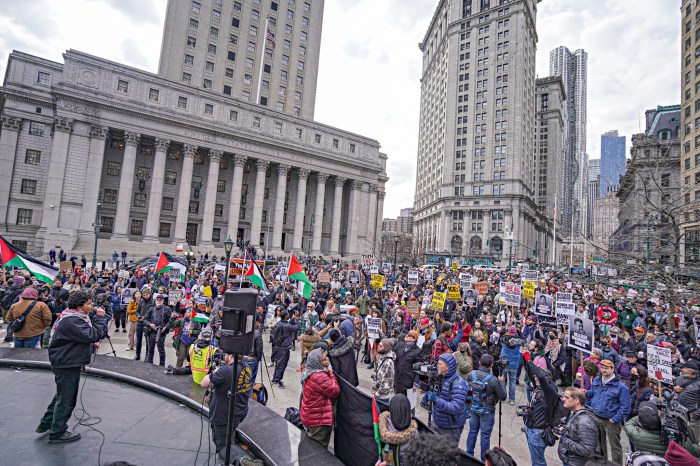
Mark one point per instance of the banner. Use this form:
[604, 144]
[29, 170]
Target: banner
[412, 277]
[453, 293]
[438, 302]
[565, 297]
[470, 297]
[374, 327]
[659, 363]
[377, 281]
[581, 333]
[367, 260]
[511, 294]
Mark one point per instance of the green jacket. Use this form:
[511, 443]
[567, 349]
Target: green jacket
[362, 304]
[464, 364]
[627, 317]
[645, 440]
[179, 324]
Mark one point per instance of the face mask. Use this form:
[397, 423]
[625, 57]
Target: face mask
[634, 376]
[552, 337]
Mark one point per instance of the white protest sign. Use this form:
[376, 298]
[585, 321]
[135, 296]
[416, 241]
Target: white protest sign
[270, 313]
[174, 297]
[412, 277]
[124, 274]
[529, 276]
[374, 269]
[345, 308]
[659, 363]
[374, 327]
[564, 310]
[564, 297]
[512, 294]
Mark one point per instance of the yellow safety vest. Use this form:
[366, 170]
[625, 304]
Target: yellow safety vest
[199, 361]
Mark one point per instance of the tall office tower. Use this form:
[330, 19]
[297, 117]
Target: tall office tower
[476, 174]
[549, 143]
[219, 45]
[573, 69]
[593, 190]
[612, 160]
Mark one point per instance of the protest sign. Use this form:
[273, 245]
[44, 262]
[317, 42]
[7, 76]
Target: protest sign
[324, 277]
[374, 327]
[426, 300]
[529, 276]
[470, 296]
[659, 363]
[353, 275]
[124, 274]
[367, 260]
[511, 294]
[413, 308]
[438, 302]
[386, 268]
[345, 308]
[127, 295]
[481, 287]
[564, 310]
[564, 297]
[464, 284]
[174, 297]
[412, 277]
[373, 269]
[453, 293]
[270, 314]
[528, 290]
[544, 305]
[377, 281]
[581, 333]
[455, 266]
[428, 274]
[65, 266]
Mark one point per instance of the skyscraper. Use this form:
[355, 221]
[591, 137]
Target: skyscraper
[612, 160]
[573, 69]
[476, 173]
[218, 45]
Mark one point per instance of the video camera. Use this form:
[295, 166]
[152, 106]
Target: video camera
[217, 359]
[432, 373]
[523, 411]
[675, 419]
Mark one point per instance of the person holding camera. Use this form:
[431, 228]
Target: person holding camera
[450, 409]
[579, 440]
[283, 335]
[487, 391]
[644, 431]
[541, 411]
[32, 318]
[221, 381]
[73, 337]
[156, 322]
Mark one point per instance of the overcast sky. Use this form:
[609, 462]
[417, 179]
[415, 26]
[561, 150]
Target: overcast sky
[369, 79]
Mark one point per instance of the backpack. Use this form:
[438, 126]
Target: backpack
[8, 299]
[278, 335]
[259, 393]
[478, 392]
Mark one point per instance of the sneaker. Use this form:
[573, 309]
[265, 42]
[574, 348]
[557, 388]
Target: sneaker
[512, 402]
[170, 369]
[371, 366]
[278, 384]
[270, 364]
[245, 461]
[124, 330]
[67, 437]
[42, 429]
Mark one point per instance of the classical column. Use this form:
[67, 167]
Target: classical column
[321, 179]
[156, 197]
[378, 220]
[126, 185]
[371, 215]
[299, 217]
[278, 226]
[258, 200]
[62, 128]
[234, 209]
[11, 127]
[337, 213]
[353, 214]
[98, 136]
[210, 196]
[183, 201]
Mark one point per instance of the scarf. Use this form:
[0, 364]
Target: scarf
[69, 313]
[314, 363]
[553, 348]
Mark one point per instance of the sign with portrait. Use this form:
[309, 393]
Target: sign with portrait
[412, 277]
[581, 333]
[544, 305]
[470, 297]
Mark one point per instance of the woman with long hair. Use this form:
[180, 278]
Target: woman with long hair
[131, 309]
[640, 389]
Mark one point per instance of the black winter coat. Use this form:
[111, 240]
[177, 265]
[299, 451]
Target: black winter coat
[544, 405]
[71, 344]
[159, 318]
[257, 351]
[343, 359]
[404, 377]
[581, 438]
[690, 398]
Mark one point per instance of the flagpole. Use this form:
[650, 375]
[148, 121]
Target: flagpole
[262, 56]
[554, 234]
[245, 254]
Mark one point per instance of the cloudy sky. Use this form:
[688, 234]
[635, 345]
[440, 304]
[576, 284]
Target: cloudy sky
[370, 62]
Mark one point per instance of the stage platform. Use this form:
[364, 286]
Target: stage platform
[147, 418]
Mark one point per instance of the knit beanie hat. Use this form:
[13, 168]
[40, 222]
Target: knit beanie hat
[29, 293]
[511, 331]
[334, 335]
[145, 290]
[676, 455]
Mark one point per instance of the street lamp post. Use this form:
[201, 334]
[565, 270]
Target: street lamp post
[397, 237]
[509, 237]
[228, 246]
[97, 228]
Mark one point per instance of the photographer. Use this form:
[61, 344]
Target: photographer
[70, 347]
[541, 410]
[644, 431]
[156, 327]
[688, 389]
[450, 402]
[487, 391]
[222, 381]
[580, 438]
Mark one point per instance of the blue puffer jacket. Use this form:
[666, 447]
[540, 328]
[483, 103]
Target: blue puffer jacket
[510, 353]
[610, 400]
[450, 409]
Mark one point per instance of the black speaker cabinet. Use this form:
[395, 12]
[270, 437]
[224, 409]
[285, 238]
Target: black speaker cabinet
[238, 321]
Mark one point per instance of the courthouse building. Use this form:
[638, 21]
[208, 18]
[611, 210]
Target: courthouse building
[173, 160]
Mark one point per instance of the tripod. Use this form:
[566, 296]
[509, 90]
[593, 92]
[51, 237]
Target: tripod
[231, 407]
[264, 363]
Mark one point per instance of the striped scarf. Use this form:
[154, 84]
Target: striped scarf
[69, 313]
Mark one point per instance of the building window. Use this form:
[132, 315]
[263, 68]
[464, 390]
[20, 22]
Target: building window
[223, 163]
[253, 31]
[335, 143]
[300, 80]
[194, 24]
[280, 106]
[285, 59]
[256, 122]
[236, 6]
[32, 157]
[221, 186]
[227, 89]
[278, 127]
[28, 187]
[196, 7]
[211, 49]
[43, 78]
[255, 14]
[107, 224]
[24, 216]
[167, 203]
[36, 129]
[186, 78]
[299, 133]
[300, 65]
[139, 200]
[170, 178]
[164, 230]
[209, 67]
[304, 35]
[233, 115]
[109, 196]
[213, 33]
[216, 235]
[153, 95]
[216, 15]
[229, 73]
[665, 180]
[137, 227]
[206, 85]
[194, 207]
[208, 109]
[317, 138]
[297, 95]
[352, 148]
[241, 214]
[189, 59]
[245, 95]
[248, 79]
[304, 21]
[182, 102]
[114, 168]
[231, 55]
[218, 210]
[191, 41]
[251, 47]
[122, 86]
[297, 111]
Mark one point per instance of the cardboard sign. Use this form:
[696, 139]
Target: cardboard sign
[481, 287]
[659, 363]
[511, 294]
[174, 297]
[470, 297]
[413, 308]
[412, 277]
[453, 293]
[529, 290]
[438, 302]
[374, 327]
[324, 277]
[377, 281]
[66, 266]
[581, 333]
[564, 297]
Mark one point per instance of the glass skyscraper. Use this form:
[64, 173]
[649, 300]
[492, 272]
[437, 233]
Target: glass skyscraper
[612, 160]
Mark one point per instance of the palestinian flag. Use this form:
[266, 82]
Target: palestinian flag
[202, 318]
[375, 422]
[294, 271]
[12, 256]
[166, 263]
[254, 276]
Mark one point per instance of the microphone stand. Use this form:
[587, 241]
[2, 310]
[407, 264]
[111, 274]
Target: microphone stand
[231, 407]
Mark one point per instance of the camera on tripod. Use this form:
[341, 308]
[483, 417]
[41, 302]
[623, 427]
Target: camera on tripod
[433, 375]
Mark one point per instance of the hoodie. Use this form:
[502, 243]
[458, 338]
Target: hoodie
[450, 410]
[343, 359]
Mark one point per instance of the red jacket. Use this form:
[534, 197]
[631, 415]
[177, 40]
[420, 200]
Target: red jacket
[317, 403]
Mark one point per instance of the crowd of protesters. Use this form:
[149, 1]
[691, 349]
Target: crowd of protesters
[579, 400]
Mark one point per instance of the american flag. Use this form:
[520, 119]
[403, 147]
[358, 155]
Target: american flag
[269, 36]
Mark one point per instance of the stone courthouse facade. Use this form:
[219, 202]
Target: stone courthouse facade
[173, 162]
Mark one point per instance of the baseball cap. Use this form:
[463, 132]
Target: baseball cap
[608, 363]
[424, 321]
[639, 329]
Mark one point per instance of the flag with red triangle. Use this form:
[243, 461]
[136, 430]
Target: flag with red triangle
[294, 271]
[254, 276]
[166, 263]
[12, 256]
